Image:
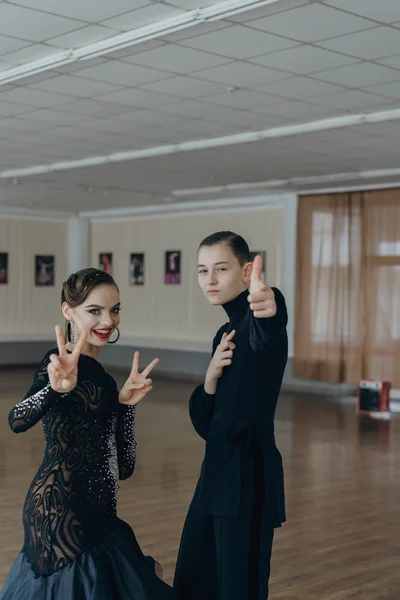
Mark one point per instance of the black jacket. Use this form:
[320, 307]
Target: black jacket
[242, 410]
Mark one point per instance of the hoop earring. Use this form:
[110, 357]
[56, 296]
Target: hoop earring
[70, 332]
[116, 340]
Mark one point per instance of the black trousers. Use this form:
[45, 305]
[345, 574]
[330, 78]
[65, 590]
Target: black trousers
[228, 559]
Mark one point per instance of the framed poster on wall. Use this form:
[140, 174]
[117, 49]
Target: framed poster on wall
[44, 270]
[3, 268]
[172, 267]
[136, 269]
[106, 262]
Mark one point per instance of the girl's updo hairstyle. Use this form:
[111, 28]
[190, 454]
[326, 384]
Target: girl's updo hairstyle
[234, 241]
[79, 285]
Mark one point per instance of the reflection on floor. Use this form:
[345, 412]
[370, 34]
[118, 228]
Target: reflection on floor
[342, 539]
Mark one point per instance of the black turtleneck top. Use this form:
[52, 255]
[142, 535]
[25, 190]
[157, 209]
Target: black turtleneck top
[250, 387]
[244, 404]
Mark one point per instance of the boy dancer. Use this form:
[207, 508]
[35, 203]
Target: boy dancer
[227, 539]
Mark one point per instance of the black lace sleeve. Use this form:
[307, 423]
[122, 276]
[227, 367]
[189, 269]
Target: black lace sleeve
[37, 401]
[126, 441]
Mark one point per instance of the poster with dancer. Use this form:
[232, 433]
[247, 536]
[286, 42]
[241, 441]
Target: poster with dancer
[136, 269]
[44, 270]
[3, 268]
[262, 253]
[173, 267]
[106, 262]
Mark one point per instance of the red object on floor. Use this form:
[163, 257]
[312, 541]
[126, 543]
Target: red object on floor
[373, 397]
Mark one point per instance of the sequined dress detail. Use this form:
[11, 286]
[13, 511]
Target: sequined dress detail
[75, 546]
[90, 445]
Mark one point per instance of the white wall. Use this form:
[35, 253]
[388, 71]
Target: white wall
[155, 315]
[26, 311]
[179, 316]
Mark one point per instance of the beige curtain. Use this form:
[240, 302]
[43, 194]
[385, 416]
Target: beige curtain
[347, 321]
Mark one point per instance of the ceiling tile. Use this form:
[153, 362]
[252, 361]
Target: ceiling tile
[238, 42]
[58, 117]
[184, 87]
[359, 75]
[299, 111]
[9, 44]
[390, 129]
[269, 9]
[252, 120]
[392, 61]
[77, 86]
[111, 125]
[149, 117]
[192, 32]
[354, 100]
[193, 108]
[304, 59]
[77, 66]
[122, 73]
[24, 125]
[32, 97]
[30, 53]
[178, 59]
[208, 128]
[299, 87]
[127, 53]
[32, 24]
[137, 98]
[91, 11]
[82, 37]
[190, 4]
[94, 108]
[242, 99]
[31, 79]
[147, 15]
[385, 11]
[71, 133]
[4, 66]
[370, 45]
[241, 74]
[7, 109]
[391, 90]
[311, 23]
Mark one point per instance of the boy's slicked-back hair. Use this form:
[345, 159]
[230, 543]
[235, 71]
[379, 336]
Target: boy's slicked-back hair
[236, 243]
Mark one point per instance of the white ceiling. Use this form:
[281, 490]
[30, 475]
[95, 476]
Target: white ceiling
[291, 62]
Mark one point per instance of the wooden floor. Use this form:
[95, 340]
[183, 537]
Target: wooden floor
[342, 539]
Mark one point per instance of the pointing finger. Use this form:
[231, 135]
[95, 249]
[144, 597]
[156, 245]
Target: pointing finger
[257, 268]
[55, 361]
[150, 367]
[60, 341]
[79, 345]
[135, 364]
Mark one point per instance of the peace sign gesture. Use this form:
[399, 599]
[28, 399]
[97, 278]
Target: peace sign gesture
[262, 297]
[63, 369]
[137, 386]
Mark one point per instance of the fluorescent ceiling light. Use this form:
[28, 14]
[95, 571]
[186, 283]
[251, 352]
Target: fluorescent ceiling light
[292, 183]
[159, 29]
[218, 142]
[37, 66]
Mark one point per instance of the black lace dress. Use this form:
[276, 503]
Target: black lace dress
[75, 546]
